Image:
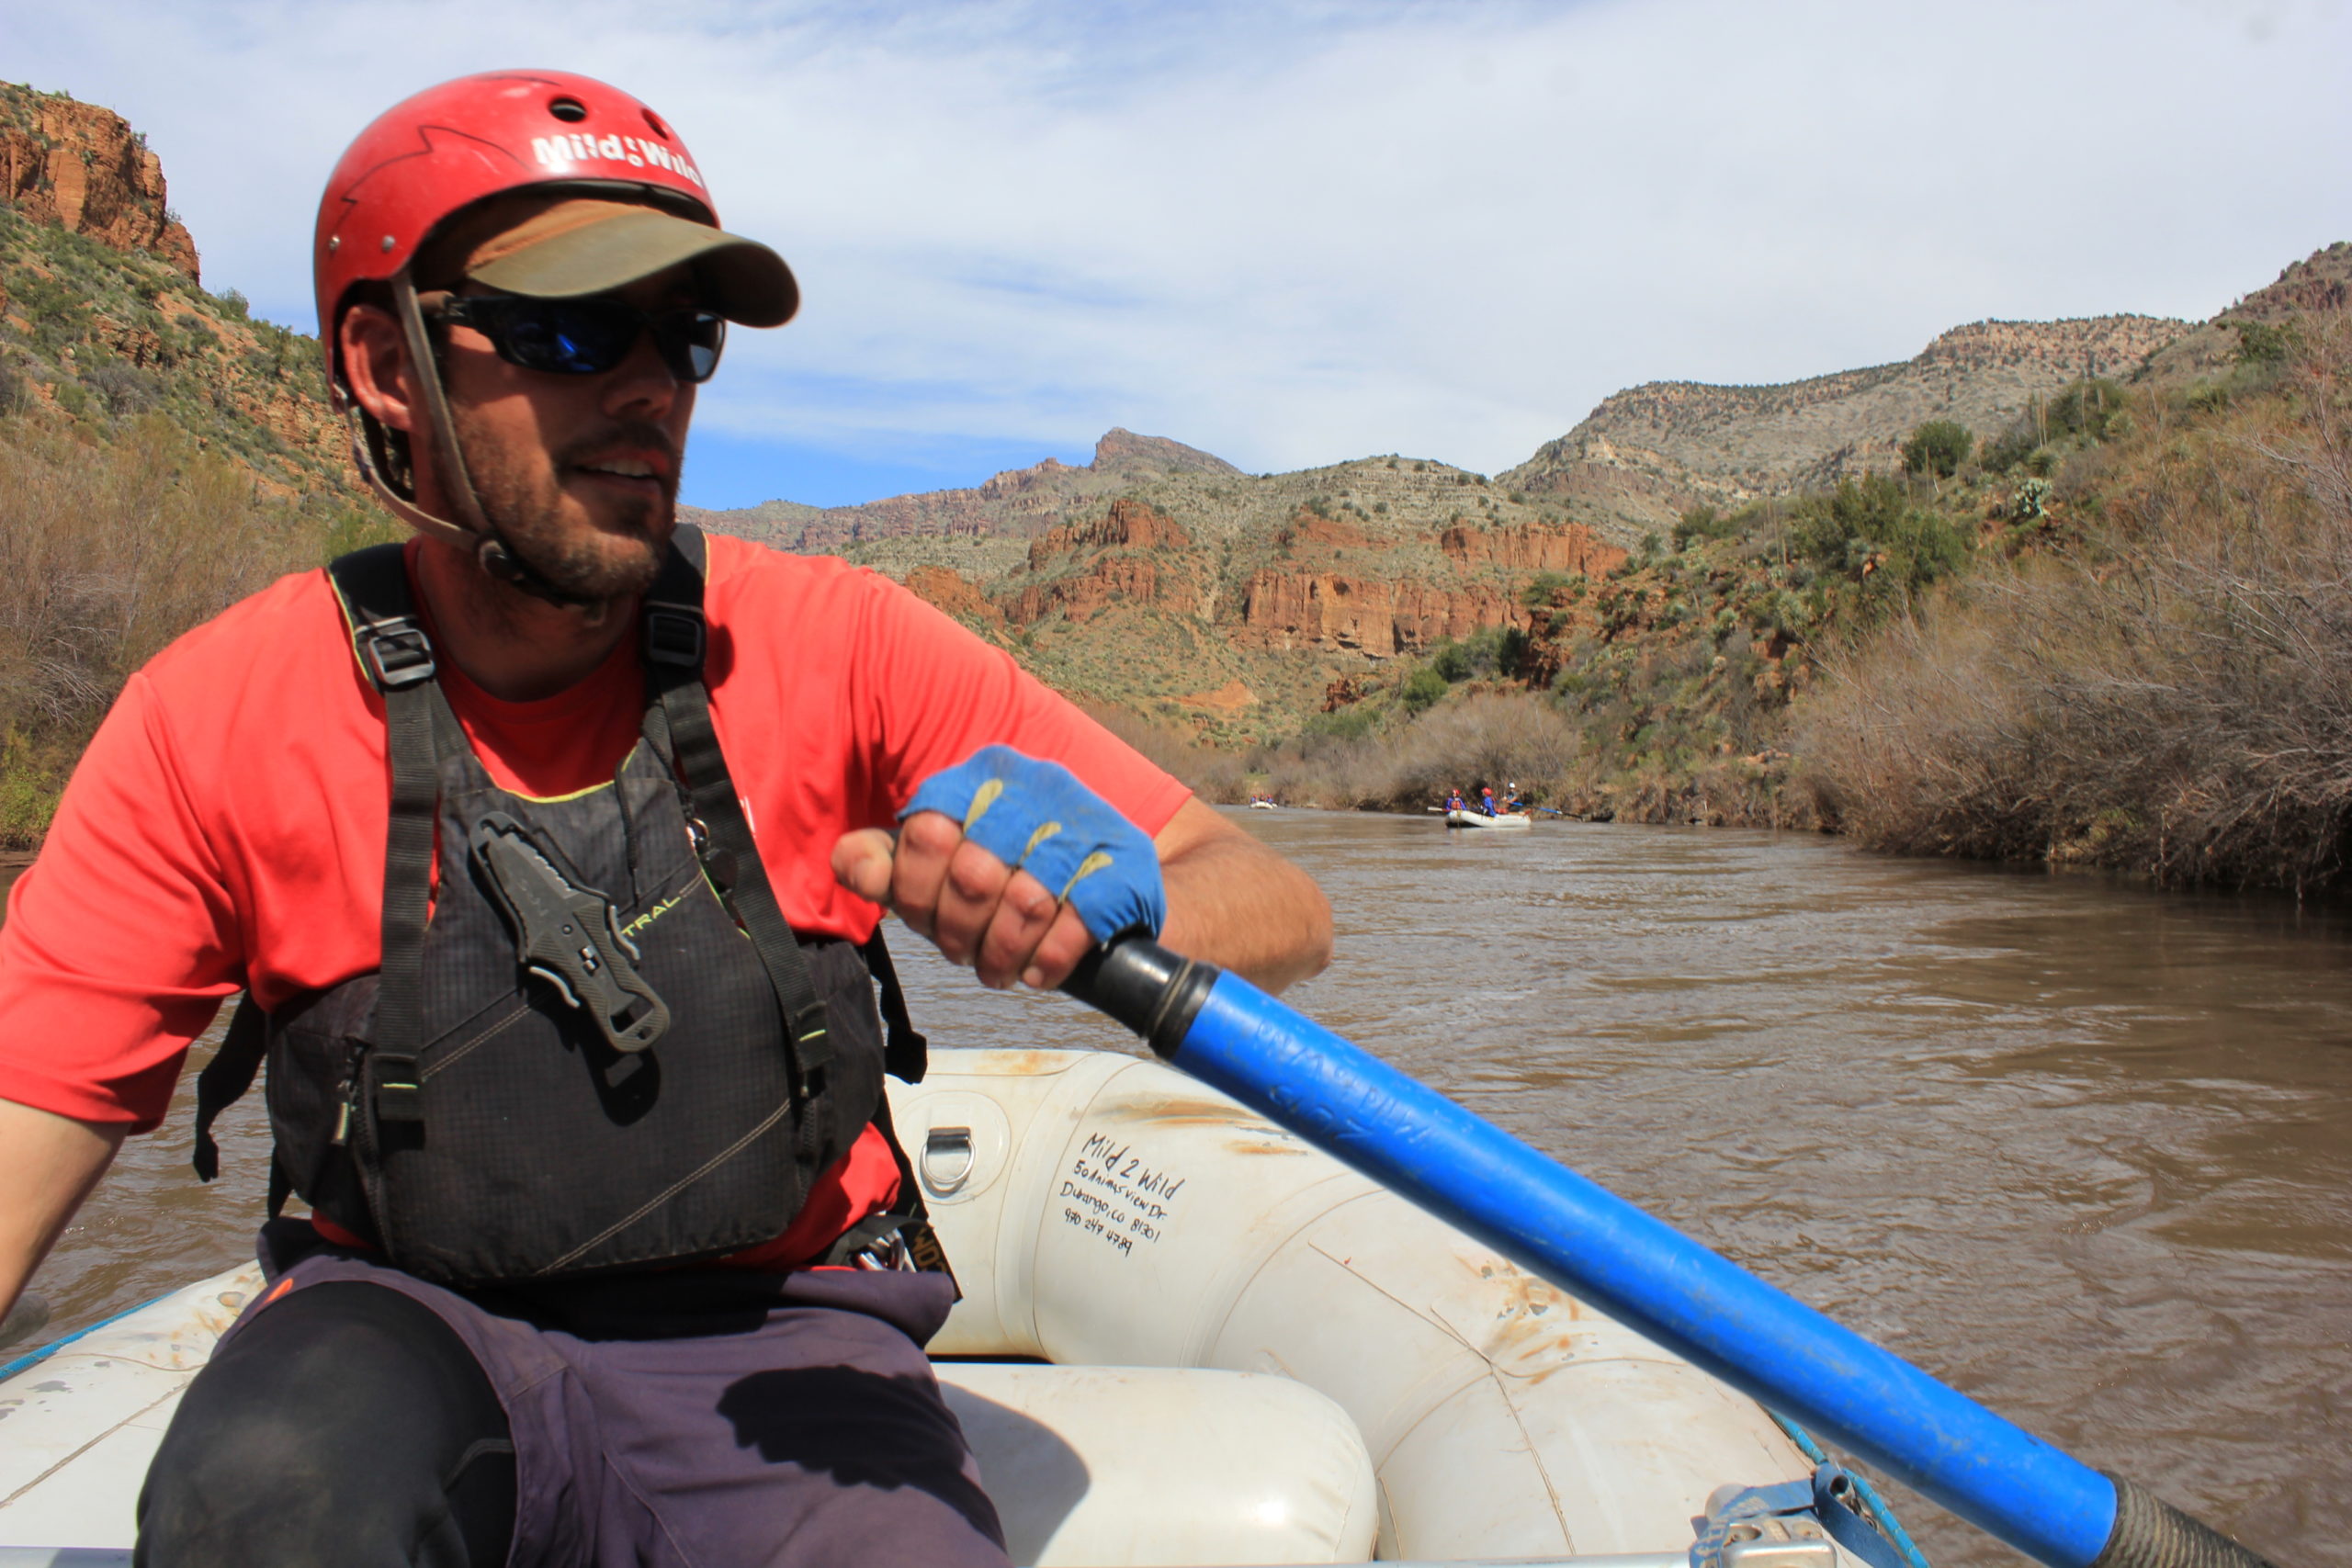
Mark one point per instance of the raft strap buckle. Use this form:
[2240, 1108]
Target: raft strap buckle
[397, 651]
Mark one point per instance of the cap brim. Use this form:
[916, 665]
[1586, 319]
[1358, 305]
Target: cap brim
[744, 280]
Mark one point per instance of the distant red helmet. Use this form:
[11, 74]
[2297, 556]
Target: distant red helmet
[449, 146]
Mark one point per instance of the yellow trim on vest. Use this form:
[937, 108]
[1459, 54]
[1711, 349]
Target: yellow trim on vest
[559, 799]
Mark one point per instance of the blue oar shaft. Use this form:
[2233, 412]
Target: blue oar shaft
[1548, 1219]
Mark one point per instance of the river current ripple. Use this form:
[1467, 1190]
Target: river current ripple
[2081, 1149]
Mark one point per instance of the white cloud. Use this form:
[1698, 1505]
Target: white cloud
[1295, 234]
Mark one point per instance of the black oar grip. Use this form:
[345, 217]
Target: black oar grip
[1151, 990]
[2150, 1533]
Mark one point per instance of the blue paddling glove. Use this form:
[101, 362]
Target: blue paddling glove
[1037, 816]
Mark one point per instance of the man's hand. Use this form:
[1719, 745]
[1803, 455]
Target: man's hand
[1011, 865]
[1228, 899]
[997, 921]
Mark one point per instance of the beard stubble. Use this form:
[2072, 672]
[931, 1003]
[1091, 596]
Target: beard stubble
[524, 502]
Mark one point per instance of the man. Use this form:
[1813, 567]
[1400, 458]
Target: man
[609, 1256]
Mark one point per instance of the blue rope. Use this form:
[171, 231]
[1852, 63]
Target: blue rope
[1881, 1513]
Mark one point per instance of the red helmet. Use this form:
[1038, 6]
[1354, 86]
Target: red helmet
[449, 146]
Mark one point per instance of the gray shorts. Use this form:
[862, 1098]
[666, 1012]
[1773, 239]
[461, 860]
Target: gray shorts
[717, 1419]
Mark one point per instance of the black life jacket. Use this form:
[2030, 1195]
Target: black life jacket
[597, 1046]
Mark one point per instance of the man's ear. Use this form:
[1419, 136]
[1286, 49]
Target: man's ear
[375, 367]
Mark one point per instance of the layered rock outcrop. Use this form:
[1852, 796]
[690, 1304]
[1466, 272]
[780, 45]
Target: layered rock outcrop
[1132, 579]
[1291, 611]
[82, 168]
[1528, 548]
[1128, 524]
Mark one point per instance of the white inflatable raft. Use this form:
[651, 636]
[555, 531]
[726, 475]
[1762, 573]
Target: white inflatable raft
[1186, 1338]
[1480, 819]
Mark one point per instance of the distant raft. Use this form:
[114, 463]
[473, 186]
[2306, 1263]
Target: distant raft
[1480, 819]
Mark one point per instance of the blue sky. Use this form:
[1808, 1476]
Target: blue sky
[1292, 233]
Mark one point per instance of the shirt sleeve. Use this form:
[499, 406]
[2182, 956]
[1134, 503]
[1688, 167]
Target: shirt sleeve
[121, 939]
[930, 694]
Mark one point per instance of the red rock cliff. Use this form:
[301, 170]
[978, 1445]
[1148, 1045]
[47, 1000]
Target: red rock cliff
[1129, 525]
[81, 167]
[1332, 610]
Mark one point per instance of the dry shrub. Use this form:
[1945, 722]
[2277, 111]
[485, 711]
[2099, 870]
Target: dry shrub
[2174, 698]
[1328, 771]
[1218, 777]
[1488, 738]
[107, 554]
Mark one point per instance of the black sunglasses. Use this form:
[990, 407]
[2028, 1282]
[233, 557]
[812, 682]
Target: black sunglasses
[589, 334]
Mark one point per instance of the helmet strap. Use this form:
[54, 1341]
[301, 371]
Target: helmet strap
[473, 532]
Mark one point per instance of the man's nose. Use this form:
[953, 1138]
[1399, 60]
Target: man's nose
[642, 385]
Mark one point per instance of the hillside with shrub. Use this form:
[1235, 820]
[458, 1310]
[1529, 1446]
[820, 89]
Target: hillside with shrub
[2156, 675]
[1233, 608]
[2115, 631]
[162, 453]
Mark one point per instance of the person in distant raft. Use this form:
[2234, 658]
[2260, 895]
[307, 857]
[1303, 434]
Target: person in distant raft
[549, 850]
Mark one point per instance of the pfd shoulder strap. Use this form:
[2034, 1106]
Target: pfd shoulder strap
[371, 586]
[676, 642]
[676, 638]
[391, 647]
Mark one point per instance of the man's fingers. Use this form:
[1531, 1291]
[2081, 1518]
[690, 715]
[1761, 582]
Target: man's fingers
[968, 895]
[1023, 915]
[996, 918]
[927, 842]
[1064, 942]
[862, 863]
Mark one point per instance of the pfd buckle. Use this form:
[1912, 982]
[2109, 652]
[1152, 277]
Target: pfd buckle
[673, 636]
[397, 652]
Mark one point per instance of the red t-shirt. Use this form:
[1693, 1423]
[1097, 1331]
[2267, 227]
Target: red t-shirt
[226, 826]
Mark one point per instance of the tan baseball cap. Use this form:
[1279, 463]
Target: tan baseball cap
[589, 245]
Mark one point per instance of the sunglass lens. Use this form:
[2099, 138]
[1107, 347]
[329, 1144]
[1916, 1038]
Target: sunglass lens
[577, 337]
[690, 342]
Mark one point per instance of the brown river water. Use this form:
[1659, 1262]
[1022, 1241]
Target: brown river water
[2081, 1149]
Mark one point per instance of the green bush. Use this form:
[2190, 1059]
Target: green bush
[1869, 530]
[1702, 522]
[1938, 447]
[2262, 342]
[1543, 588]
[1449, 660]
[2088, 409]
[1351, 723]
[1423, 687]
[2010, 449]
